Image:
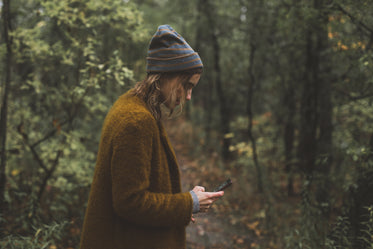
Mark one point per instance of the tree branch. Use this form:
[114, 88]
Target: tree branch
[48, 175]
[32, 148]
[354, 19]
[353, 98]
[51, 133]
[67, 121]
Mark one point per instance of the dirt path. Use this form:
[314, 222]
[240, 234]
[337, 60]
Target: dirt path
[209, 230]
[214, 229]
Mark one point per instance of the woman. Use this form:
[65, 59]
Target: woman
[136, 199]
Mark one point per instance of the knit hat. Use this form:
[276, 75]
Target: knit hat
[169, 52]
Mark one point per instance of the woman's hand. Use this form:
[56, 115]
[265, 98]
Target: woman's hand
[206, 199]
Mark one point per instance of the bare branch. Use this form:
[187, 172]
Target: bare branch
[354, 98]
[67, 121]
[32, 148]
[49, 174]
[354, 19]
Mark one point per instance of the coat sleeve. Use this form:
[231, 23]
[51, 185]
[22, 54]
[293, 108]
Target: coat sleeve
[130, 168]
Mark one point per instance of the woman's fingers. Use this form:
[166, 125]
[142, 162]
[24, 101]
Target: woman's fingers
[193, 219]
[199, 189]
[206, 199]
[209, 197]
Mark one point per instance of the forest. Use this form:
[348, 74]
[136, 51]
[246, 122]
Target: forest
[284, 108]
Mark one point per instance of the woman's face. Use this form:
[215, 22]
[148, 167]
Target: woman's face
[174, 92]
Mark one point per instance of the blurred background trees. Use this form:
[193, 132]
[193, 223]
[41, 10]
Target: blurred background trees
[284, 104]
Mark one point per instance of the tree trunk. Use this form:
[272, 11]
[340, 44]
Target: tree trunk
[308, 110]
[325, 126]
[289, 135]
[4, 104]
[206, 90]
[315, 142]
[224, 109]
[250, 116]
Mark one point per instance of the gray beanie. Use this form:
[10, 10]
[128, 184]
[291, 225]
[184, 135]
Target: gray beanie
[169, 52]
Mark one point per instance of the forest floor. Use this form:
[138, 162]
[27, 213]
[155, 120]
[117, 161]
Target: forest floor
[214, 229]
[235, 221]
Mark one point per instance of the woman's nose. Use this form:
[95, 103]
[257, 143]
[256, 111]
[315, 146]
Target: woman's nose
[189, 95]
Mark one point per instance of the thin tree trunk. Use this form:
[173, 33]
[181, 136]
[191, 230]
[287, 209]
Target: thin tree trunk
[4, 104]
[308, 116]
[316, 112]
[290, 104]
[370, 154]
[224, 109]
[325, 143]
[250, 115]
[289, 135]
[325, 103]
[206, 91]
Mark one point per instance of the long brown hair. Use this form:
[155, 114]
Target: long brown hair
[149, 89]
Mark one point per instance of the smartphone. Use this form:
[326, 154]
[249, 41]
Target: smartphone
[223, 186]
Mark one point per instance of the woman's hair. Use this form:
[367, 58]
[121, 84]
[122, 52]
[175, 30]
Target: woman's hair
[149, 89]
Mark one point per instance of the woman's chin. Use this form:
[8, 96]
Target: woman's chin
[173, 105]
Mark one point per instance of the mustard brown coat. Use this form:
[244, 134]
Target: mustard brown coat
[135, 199]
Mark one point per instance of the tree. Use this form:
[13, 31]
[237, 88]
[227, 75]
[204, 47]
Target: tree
[71, 61]
[6, 16]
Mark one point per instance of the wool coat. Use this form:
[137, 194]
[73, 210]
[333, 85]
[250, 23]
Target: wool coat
[135, 199]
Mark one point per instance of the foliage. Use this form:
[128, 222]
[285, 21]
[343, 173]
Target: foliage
[45, 237]
[72, 59]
